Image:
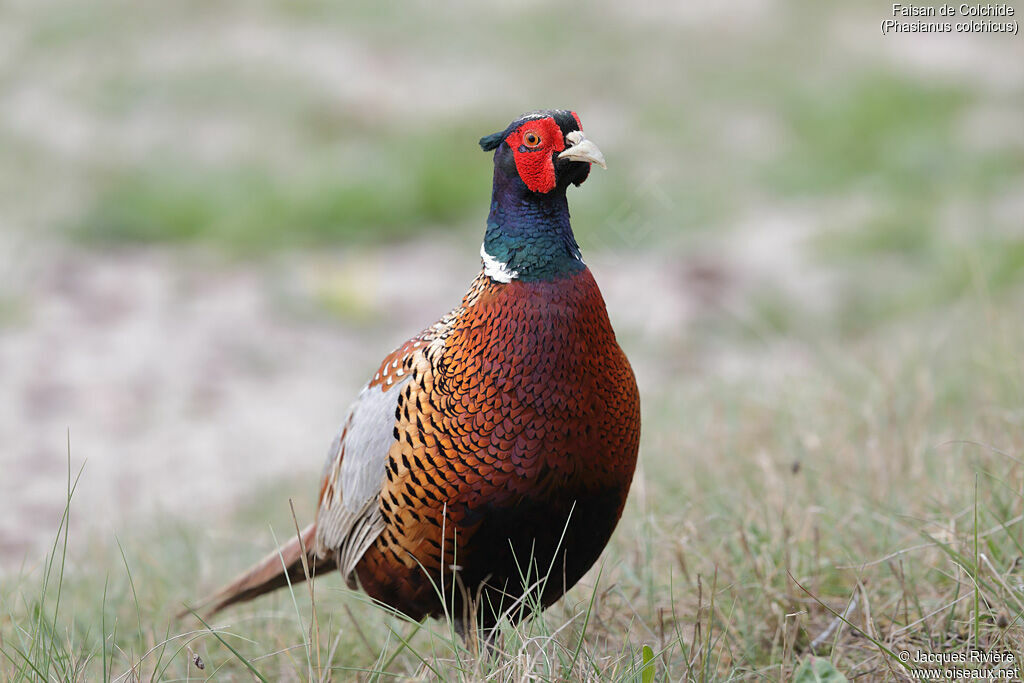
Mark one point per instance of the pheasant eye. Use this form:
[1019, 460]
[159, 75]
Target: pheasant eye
[531, 139]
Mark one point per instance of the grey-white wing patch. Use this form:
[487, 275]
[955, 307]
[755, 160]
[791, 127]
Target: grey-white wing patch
[349, 519]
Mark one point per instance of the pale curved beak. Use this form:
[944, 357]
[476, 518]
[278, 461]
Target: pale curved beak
[582, 149]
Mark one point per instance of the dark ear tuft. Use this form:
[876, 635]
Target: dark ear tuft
[489, 142]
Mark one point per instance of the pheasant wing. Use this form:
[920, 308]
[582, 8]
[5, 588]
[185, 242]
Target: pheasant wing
[349, 517]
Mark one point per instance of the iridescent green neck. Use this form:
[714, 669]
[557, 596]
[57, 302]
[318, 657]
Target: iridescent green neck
[528, 234]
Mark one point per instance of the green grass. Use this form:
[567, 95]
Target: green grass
[377, 194]
[886, 471]
[896, 133]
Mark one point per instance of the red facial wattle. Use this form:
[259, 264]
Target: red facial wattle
[535, 162]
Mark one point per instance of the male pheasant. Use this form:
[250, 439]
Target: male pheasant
[498, 444]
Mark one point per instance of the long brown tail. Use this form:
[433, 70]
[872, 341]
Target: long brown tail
[279, 568]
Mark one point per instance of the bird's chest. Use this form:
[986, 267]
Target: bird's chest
[526, 383]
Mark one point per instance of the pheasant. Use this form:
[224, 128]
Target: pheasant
[496, 448]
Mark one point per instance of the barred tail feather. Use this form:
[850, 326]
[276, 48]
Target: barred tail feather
[278, 569]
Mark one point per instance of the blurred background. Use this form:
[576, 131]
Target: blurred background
[216, 217]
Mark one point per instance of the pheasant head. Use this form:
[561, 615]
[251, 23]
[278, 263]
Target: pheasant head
[545, 150]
